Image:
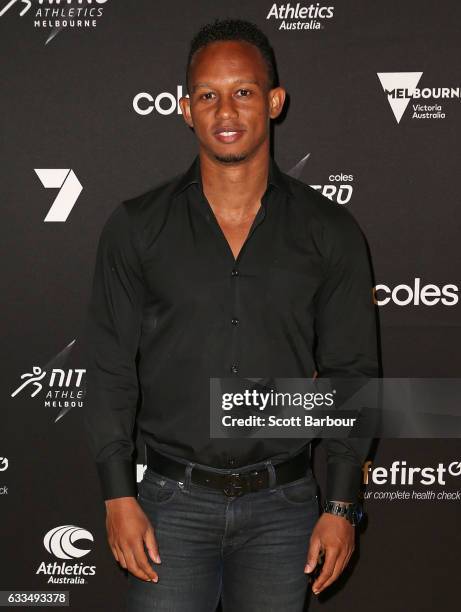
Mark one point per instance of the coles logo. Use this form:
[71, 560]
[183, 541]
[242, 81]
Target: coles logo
[416, 294]
[338, 188]
[164, 103]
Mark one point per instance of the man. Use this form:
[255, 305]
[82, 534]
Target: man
[233, 269]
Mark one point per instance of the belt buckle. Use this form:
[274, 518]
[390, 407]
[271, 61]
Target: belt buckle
[233, 486]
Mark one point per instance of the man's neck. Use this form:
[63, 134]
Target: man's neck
[235, 189]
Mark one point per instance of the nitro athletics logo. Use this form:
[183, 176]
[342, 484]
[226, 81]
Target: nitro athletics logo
[401, 87]
[56, 15]
[300, 17]
[62, 388]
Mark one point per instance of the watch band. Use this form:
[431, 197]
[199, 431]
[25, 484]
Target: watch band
[352, 512]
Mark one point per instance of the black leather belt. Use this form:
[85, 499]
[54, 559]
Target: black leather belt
[233, 483]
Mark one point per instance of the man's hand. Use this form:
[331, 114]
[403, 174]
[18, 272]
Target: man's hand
[335, 536]
[127, 529]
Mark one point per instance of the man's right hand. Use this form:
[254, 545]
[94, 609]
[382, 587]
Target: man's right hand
[128, 528]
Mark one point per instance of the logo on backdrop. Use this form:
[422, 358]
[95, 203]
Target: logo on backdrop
[3, 468]
[402, 87]
[63, 388]
[339, 187]
[300, 16]
[416, 294]
[402, 482]
[49, 15]
[69, 187]
[59, 542]
[27, 4]
[164, 103]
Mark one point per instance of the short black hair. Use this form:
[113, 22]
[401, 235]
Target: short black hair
[234, 29]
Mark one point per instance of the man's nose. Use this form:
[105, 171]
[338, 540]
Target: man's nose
[226, 107]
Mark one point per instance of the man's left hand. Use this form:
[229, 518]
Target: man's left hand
[335, 536]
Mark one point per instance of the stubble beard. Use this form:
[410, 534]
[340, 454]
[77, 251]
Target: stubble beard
[231, 158]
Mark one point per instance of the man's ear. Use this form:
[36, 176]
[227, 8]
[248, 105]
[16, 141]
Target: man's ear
[276, 101]
[184, 103]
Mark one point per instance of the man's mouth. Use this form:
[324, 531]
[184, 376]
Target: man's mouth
[228, 135]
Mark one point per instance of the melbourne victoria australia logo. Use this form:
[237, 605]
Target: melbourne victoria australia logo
[299, 16]
[427, 102]
[56, 15]
[60, 543]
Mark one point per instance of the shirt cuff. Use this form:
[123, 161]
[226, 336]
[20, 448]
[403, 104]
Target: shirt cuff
[117, 478]
[343, 482]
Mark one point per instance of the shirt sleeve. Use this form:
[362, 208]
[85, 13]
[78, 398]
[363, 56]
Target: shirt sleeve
[110, 343]
[346, 330]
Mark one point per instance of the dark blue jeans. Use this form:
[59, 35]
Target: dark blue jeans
[250, 551]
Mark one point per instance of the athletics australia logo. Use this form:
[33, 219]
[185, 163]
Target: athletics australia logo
[59, 542]
[50, 15]
[299, 16]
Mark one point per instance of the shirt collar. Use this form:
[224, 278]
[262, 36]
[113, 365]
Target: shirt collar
[192, 175]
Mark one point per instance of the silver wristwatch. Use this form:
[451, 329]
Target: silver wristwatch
[352, 512]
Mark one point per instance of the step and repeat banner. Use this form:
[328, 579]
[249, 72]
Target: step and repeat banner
[90, 117]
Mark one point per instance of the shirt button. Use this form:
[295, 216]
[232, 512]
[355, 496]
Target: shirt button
[235, 321]
[234, 368]
[234, 272]
[231, 461]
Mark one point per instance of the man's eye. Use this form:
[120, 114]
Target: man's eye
[245, 92]
[207, 96]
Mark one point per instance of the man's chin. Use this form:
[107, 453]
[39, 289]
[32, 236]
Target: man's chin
[230, 158]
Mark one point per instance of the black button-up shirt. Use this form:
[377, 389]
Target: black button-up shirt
[171, 307]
